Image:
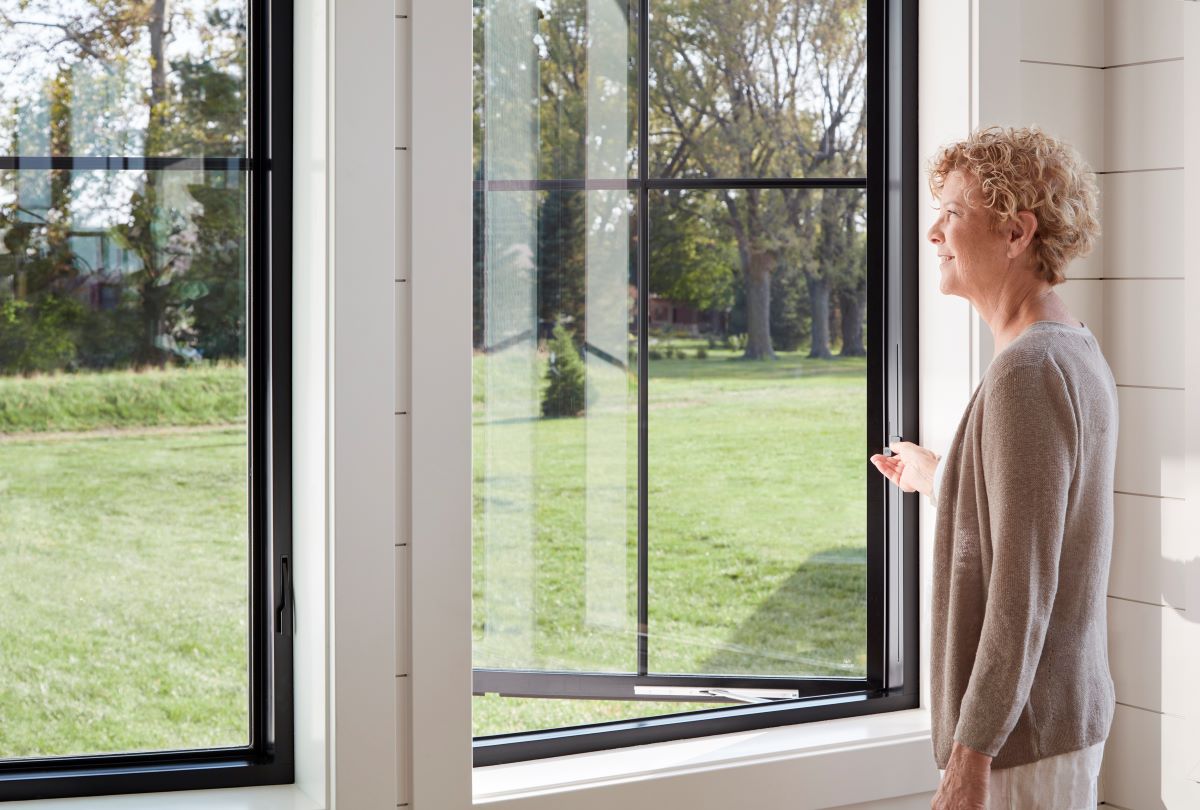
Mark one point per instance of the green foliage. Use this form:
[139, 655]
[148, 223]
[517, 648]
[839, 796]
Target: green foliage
[791, 323]
[38, 337]
[566, 377]
[214, 291]
[692, 261]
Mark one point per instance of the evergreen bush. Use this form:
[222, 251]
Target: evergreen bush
[566, 376]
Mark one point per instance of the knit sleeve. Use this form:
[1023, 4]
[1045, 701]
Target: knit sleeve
[1029, 442]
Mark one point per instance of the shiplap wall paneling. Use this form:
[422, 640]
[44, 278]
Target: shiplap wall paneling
[403, 611]
[403, 214]
[403, 81]
[403, 760]
[1149, 451]
[1064, 32]
[1151, 550]
[1150, 640]
[1142, 30]
[1190, 28]
[404, 480]
[1085, 299]
[1067, 102]
[1146, 761]
[1147, 651]
[403, 349]
[1141, 116]
[1143, 220]
[403, 396]
[1144, 329]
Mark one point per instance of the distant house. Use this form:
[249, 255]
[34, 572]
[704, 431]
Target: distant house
[668, 314]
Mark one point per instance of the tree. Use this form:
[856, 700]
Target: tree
[194, 107]
[566, 377]
[692, 260]
[761, 89]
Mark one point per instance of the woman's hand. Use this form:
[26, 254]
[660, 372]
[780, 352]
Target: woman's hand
[965, 784]
[911, 468]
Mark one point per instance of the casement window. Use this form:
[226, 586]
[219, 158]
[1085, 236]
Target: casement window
[694, 321]
[145, 529]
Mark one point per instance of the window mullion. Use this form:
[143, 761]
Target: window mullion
[643, 298]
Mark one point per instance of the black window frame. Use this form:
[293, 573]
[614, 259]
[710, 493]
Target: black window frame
[269, 758]
[893, 620]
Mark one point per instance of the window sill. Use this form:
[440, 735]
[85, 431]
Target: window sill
[812, 765]
[281, 797]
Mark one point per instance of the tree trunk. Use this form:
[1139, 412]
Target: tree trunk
[818, 296]
[851, 303]
[758, 309]
[153, 303]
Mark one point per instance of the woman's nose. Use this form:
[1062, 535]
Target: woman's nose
[934, 234]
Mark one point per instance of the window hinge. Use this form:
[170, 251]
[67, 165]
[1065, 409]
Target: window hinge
[738, 695]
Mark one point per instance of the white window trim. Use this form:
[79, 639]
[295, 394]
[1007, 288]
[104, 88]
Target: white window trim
[714, 772]
[282, 797]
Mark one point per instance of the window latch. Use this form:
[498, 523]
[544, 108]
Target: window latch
[285, 594]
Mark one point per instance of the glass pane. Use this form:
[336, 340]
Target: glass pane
[555, 434]
[555, 381]
[123, 462]
[155, 78]
[757, 423]
[757, 88]
[560, 76]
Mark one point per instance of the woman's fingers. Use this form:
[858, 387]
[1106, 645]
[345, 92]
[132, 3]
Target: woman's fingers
[892, 468]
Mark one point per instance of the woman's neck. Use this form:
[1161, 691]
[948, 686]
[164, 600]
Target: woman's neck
[1008, 320]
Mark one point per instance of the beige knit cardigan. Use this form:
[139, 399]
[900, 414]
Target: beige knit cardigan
[1022, 546]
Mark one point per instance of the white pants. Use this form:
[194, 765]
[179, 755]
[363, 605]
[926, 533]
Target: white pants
[1065, 782]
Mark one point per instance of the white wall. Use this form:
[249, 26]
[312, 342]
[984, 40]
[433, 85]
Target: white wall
[403, 226]
[1112, 83]
[363, 369]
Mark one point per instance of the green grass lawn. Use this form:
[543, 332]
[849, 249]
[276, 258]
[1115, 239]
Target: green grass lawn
[757, 532]
[124, 555]
[124, 625]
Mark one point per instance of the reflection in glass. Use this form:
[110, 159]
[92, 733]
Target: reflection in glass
[100, 79]
[123, 461]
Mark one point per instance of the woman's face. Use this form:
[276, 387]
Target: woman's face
[972, 254]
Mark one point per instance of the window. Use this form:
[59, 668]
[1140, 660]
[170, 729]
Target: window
[144, 396]
[694, 321]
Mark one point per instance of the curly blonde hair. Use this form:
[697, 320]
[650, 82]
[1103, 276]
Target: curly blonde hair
[1027, 170]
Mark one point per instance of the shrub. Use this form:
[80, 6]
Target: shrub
[38, 337]
[566, 377]
[702, 353]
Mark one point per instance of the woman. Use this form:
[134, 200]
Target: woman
[1022, 698]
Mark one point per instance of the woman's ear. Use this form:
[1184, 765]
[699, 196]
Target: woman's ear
[1020, 232]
